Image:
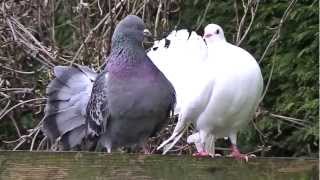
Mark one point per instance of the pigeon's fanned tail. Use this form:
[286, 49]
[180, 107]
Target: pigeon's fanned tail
[74, 137]
[65, 112]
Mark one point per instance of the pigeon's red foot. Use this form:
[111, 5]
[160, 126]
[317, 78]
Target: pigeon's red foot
[201, 154]
[146, 150]
[237, 155]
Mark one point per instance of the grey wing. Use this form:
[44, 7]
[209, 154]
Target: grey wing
[97, 109]
[65, 112]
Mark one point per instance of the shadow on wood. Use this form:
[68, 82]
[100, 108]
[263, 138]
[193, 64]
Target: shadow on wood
[23, 165]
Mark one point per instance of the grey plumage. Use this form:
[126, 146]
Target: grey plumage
[65, 112]
[128, 101]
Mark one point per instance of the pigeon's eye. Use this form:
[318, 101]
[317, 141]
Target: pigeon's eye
[217, 31]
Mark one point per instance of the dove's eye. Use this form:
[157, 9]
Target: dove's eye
[217, 31]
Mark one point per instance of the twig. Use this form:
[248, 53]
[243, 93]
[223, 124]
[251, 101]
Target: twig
[276, 35]
[300, 122]
[22, 139]
[156, 23]
[203, 18]
[99, 7]
[53, 24]
[241, 24]
[111, 25]
[19, 144]
[253, 14]
[34, 139]
[15, 125]
[89, 35]
[138, 10]
[13, 32]
[33, 38]
[259, 131]
[261, 148]
[235, 4]
[134, 5]
[6, 106]
[20, 90]
[144, 9]
[268, 82]
[17, 71]
[19, 104]
[34, 47]
[41, 142]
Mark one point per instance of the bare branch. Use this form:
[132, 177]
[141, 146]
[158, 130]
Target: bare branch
[253, 10]
[276, 35]
[156, 23]
[106, 19]
[19, 104]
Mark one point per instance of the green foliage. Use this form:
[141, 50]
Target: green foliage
[293, 91]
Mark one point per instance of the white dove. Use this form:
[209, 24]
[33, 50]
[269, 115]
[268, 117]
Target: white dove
[223, 93]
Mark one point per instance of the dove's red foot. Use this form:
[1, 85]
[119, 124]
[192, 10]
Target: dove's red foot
[237, 155]
[201, 154]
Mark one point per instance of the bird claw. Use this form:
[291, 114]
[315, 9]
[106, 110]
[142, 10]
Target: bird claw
[146, 149]
[147, 152]
[239, 156]
[217, 155]
[252, 156]
[201, 154]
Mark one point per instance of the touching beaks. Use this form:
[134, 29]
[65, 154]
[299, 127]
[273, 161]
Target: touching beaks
[147, 33]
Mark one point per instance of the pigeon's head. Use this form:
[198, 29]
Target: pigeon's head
[213, 33]
[129, 30]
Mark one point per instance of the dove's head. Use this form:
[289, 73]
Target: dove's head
[213, 33]
[129, 30]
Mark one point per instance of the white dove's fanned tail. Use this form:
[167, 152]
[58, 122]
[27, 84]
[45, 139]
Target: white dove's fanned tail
[176, 56]
[209, 145]
[65, 112]
[178, 131]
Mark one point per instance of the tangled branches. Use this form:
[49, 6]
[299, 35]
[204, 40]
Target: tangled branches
[37, 35]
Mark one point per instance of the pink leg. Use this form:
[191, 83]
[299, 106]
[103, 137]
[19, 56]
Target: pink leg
[201, 154]
[199, 140]
[146, 149]
[237, 155]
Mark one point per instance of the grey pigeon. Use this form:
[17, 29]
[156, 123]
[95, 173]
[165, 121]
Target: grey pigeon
[129, 101]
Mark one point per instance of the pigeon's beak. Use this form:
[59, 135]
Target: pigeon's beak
[147, 33]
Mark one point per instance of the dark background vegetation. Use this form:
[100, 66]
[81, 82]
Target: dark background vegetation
[283, 36]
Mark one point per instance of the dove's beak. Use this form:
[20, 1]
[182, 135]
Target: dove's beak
[147, 33]
[207, 35]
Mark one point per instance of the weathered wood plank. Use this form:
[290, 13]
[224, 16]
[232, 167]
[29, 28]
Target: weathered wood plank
[23, 165]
